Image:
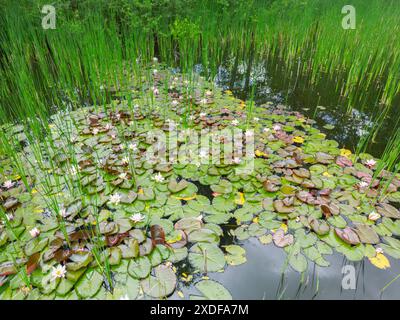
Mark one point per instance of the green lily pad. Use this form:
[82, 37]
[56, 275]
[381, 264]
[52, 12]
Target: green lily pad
[206, 257]
[162, 284]
[211, 290]
[139, 268]
[89, 284]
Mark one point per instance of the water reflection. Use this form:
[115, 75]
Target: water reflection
[264, 276]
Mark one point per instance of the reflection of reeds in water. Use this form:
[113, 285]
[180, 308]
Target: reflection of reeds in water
[304, 283]
[97, 46]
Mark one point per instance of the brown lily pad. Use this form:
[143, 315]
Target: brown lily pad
[281, 240]
[348, 235]
[280, 207]
[366, 234]
[387, 210]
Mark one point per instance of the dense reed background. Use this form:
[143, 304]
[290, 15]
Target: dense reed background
[95, 41]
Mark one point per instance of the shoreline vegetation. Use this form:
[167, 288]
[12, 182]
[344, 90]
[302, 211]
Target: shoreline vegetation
[87, 214]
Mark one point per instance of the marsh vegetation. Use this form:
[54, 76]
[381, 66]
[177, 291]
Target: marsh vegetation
[144, 144]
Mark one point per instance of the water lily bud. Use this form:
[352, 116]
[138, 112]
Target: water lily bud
[34, 232]
[373, 216]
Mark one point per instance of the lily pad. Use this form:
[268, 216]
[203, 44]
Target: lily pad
[206, 257]
[211, 290]
[162, 284]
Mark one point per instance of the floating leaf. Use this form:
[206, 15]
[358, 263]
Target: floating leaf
[348, 235]
[162, 284]
[298, 262]
[211, 290]
[175, 186]
[235, 255]
[282, 240]
[139, 268]
[380, 261]
[265, 239]
[388, 211]
[206, 257]
[89, 284]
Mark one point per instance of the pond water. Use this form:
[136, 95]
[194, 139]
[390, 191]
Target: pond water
[264, 275]
[322, 102]
[334, 195]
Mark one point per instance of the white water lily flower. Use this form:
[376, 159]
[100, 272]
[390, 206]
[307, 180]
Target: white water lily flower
[73, 171]
[203, 154]
[235, 122]
[373, 216]
[370, 163]
[379, 250]
[125, 160]
[8, 184]
[137, 217]
[237, 160]
[249, 133]
[175, 103]
[58, 272]
[363, 184]
[123, 175]
[63, 212]
[277, 127]
[132, 147]
[158, 177]
[34, 232]
[115, 199]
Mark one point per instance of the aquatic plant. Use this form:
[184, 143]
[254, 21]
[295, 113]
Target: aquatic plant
[125, 217]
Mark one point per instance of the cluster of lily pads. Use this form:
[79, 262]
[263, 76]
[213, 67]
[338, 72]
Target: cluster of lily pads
[98, 220]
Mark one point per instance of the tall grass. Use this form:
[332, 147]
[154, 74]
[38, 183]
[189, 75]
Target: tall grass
[97, 43]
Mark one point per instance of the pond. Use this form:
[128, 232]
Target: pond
[183, 184]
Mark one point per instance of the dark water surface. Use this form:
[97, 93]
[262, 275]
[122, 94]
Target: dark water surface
[352, 117]
[264, 275]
